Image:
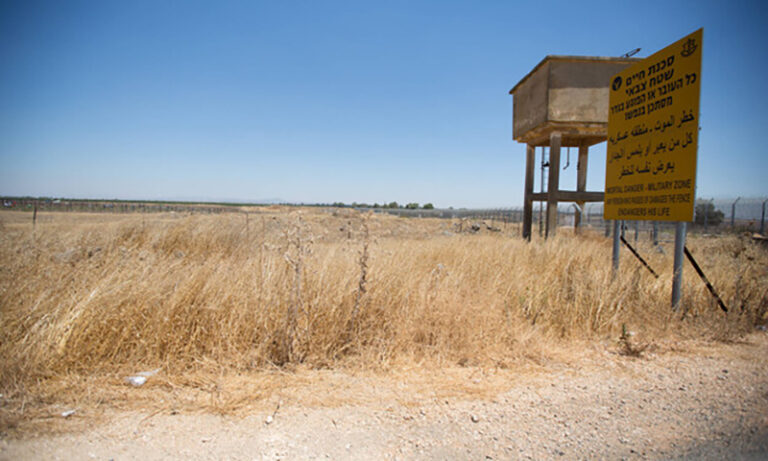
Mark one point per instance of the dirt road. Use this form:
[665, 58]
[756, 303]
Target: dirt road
[709, 402]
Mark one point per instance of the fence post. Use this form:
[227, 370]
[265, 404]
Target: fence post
[706, 216]
[637, 230]
[616, 240]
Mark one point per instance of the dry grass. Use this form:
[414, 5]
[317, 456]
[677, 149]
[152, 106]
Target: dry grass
[205, 296]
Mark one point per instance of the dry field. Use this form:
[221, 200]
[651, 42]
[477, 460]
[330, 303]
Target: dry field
[233, 308]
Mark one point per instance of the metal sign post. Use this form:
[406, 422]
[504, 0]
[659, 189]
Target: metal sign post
[677, 277]
[616, 239]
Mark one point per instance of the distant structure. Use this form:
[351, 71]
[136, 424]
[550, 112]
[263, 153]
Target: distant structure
[562, 102]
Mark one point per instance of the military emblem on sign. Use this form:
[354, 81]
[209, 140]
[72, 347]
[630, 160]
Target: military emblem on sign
[689, 47]
[616, 83]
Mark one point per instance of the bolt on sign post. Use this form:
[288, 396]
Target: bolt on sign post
[653, 131]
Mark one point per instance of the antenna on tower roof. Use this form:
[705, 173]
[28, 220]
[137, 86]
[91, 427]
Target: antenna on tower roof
[629, 54]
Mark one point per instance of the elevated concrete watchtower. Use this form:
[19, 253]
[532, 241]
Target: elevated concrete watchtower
[562, 102]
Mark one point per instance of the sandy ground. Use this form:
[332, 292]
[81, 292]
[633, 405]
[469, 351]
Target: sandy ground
[704, 402]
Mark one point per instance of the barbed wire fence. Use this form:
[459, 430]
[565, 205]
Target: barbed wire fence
[748, 215]
[99, 206]
[739, 214]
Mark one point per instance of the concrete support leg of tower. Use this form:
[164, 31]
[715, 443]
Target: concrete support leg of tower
[530, 158]
[555, 140]
[581, 182]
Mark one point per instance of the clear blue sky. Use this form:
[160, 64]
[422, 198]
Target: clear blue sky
[336, 101]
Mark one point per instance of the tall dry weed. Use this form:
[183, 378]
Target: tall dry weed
[212, 293]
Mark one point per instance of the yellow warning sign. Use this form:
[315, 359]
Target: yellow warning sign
[653, 131]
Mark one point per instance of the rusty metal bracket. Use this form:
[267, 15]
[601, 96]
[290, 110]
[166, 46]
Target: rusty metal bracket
[704, 278]
[637, 255]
